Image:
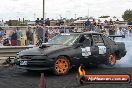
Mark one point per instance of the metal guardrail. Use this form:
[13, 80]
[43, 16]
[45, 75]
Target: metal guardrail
[63, 26]
[11, 51]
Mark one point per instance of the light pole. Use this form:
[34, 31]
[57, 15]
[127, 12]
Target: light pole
[43, 10]
[44, 21]
[75, 16]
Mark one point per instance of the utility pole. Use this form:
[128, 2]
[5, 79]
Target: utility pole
[43, 10]
[34, 16]
[88, 13]
[75, 15]
[44, 21]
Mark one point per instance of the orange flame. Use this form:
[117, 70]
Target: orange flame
[81, 71]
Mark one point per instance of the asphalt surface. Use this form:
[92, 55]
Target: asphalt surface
[14, 78]
[11, 77]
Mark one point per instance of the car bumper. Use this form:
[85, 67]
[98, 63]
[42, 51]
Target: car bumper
[35, 64]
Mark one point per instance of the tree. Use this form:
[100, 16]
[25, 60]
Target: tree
[104, 16]
[127, 16]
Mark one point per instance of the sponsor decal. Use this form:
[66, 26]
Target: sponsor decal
[102, 49]
[86, 51]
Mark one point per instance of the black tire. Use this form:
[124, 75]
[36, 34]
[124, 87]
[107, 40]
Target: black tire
[61, 66]
[111, 60]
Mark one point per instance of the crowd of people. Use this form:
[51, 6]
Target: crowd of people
[43, 33]
[107, 27]
[15, 37]
[99, 26]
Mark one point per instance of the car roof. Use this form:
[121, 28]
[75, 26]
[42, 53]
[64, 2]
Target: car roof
[81, 33]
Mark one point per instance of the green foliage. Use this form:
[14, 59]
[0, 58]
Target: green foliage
[17, 23]
[104, 16]
[127, 15]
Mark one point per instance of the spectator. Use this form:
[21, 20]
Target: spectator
[1, 35]
[49, 33]
[94, 23]
[13, 38]
[37, 21]
[46, 35]
[61, 22]
[88, 25]
[47, 22]
[111, 22]
[19, 36]
[29, 36]
[119, 31]
[112, 30]
[99, 24]
[41, 22]
[1, 32]
[39, 32]
[57, 30]
[61, 30]
[105, 24]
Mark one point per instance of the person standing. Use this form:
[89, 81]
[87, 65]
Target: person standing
[39, 32]
[1, 35]
[13, 38]
[47, 22]
[46, 34]
[19, 36]
[87, 25]
[94, 24]
[111, 22]
[37, 21]
[29, 36]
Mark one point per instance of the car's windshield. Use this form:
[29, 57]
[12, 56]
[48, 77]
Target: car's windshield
[64, 39]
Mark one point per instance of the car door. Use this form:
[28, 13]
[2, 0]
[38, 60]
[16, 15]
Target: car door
[99, 46]
[86, 48]
[80, 50]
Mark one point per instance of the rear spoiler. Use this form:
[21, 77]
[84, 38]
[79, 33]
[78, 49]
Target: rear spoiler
[114, 36]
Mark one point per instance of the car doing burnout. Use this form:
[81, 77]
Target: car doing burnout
[71, 49]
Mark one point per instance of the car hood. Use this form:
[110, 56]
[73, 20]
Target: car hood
[44, 51]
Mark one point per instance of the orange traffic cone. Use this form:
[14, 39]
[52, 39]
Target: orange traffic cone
[42, 83]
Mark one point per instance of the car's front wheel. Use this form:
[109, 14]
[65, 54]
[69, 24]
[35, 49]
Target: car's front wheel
[61, 65]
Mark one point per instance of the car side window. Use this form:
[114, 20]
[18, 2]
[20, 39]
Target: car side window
[108, 40]
[98, 40]
[86, 40]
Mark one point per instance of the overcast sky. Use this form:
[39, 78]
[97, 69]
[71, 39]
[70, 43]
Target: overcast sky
[31, 9]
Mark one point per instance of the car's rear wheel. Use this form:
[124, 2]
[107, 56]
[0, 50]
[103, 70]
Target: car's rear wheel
[61, 66]
[111, 61]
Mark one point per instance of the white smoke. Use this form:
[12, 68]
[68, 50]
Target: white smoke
[126, 61]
